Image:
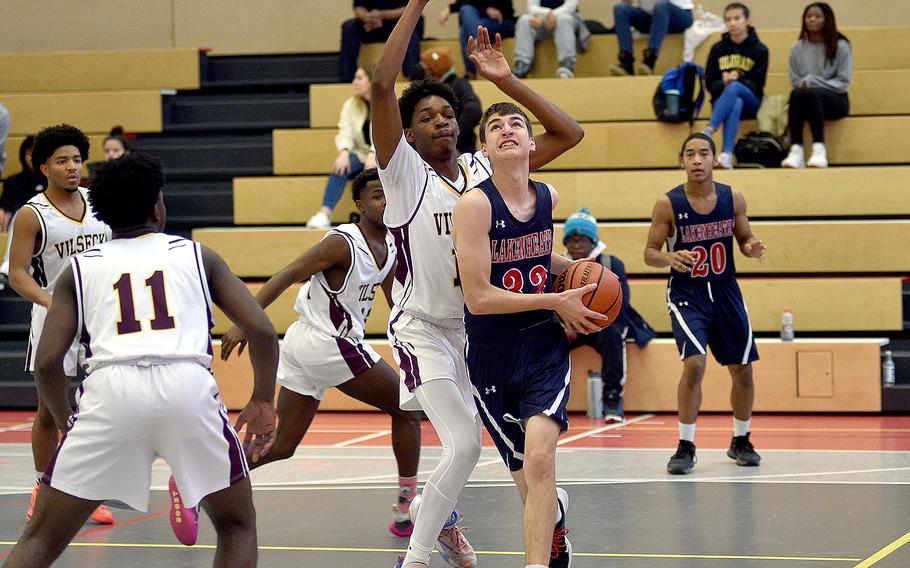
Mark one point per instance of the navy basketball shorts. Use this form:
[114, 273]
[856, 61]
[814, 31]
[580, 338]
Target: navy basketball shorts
[711, 314]
[516, 376]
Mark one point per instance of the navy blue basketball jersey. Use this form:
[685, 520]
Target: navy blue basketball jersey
[520, 254]
[708, 237]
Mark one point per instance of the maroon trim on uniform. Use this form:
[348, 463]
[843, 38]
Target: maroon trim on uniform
[356, 360]
[197, 252]
[84, 338]
[408, 362]
[239, 468]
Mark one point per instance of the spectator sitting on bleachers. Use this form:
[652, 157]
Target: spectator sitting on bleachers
[355, 149]
[558, 19]
[374, 22]
[821, 67]
[498, 16]
[437, 62]
[735, 75]
[582, 242]
[115, 145]
[656, 18]
[17, 190]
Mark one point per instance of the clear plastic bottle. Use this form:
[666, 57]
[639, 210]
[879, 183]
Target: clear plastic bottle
[786, 325]
[888, 377]
[595, 395]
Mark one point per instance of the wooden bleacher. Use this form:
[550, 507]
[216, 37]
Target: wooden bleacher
[819, 304]
[625, 195]
[632, 145]
[874, 48]
[803, 376]
[872, 93]
[833, 247]
[99, 71]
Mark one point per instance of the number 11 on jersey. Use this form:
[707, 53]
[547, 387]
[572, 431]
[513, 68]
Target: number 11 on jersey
[128, 322]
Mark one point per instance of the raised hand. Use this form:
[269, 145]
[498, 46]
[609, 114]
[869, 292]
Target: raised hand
[260, 420]
[487, 56]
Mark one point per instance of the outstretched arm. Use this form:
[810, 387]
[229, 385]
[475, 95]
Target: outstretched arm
[56, 339]
[232, 296]
[383, 102]
[562, 132]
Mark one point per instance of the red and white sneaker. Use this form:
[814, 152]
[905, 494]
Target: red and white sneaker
[451, 544]
[184, 520]
[102, 515]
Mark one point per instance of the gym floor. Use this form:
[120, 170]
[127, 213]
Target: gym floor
[831, 492]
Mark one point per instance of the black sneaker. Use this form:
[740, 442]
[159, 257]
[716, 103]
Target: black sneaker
[742, 451]
[613, 407]
[683, 460]
[561, 554]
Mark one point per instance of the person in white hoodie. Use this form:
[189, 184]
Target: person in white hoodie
[821, 68]
[355, 149]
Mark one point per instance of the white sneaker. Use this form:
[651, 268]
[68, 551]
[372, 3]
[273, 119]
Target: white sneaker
[725, 161]
[819, 158]
[565, 73]
[451, 544]
[319, 221]
[796, 158]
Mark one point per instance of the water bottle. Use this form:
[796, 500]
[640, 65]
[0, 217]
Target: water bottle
[595, 395]
[888, 370]
[786, 325]
[672, 96]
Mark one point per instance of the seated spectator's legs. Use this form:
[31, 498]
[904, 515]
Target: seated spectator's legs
[736, 100]
[625, 17]
[352, 37]
[525, 40]
[666, 18]
[611, 343]
[469, 17]
[336, 184]
[819, 105]
[565, 38]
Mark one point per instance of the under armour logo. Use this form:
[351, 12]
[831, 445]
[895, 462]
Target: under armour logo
[683, 215]
[500, 224]
[488, 390]
[683, 304]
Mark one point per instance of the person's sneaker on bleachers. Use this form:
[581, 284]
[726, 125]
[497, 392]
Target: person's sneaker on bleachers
[521, 70]
[683, 460]
[725, 161]
[819, 157]
[796, 158]
[743, 452]
[319, 221]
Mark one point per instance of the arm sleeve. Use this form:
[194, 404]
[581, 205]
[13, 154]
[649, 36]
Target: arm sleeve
[404, 180]
[756, 77]
[843, 71]
[793, 63]
[713, 78]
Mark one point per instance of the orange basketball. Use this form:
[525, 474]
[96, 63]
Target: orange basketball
[606, 298]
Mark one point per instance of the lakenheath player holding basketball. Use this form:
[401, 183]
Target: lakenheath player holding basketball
[424, 177]
[517, 354]
[698, 221]
[141, 305]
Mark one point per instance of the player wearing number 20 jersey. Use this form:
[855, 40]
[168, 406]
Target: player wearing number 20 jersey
[706, 305]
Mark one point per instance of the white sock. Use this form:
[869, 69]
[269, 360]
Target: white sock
[741, 427]
[687, 432]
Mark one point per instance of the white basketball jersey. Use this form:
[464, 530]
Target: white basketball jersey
[61, 238]
[419, 206]
[143, 301]
[344, 312]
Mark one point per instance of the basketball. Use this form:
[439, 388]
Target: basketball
[606, 298]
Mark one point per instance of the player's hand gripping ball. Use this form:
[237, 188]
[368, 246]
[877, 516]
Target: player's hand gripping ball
[606, 298]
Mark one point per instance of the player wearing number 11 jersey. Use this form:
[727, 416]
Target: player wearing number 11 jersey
[698, 221]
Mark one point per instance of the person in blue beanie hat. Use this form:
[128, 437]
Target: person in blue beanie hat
[582, 242]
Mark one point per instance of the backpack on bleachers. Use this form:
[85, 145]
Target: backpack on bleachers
[680, 82]
[761, 148]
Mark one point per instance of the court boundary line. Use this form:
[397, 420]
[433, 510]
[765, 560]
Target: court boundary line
[266, 548]
[884, 552]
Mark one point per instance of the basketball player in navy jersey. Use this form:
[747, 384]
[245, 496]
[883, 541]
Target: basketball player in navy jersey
[517, 354]
[141, 306]
[698, 221]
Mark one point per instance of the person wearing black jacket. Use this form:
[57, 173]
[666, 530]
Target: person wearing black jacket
[437, 63]
[735, 76]
[498, 16]
[582, 241]
[17, 190]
